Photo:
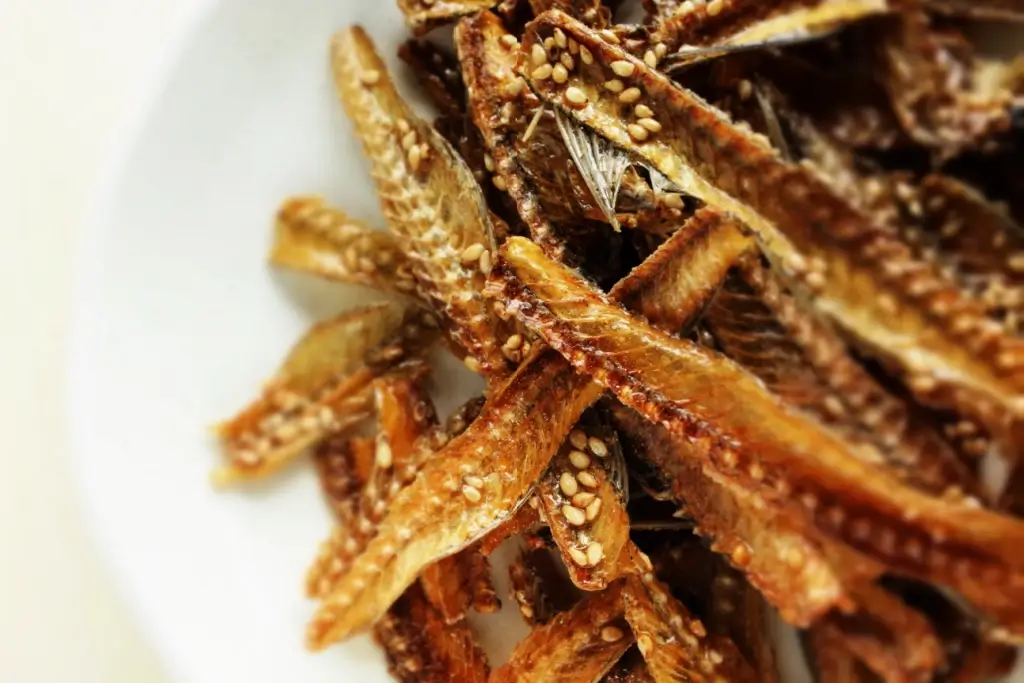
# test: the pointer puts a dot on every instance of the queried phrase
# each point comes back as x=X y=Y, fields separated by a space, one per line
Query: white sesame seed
x=472 y=363
x=715 y=7
x=499 y=183
x=594 y=509
x=614 y=85
x=578 y=556
x=472 y=495
x=514 y=87
x=472 y=253
x=650 y=124
x=560 y=39
x=623 y=68
x=415 y=157
x=579 y=460
x=650 y=59
x=383 y=455
x=475 y=482
x=642 y=111
x=583 y=499
x=485 y=263
x=408 y=140
x=574 y=515
x=541 y=72
x=567 y=483
x=585 y=55
x=644 y=643
x=745 y=89
x=559 y=74
x=610 y=36
x=514 y=342
x=595 y=553
x=610 y=634
x=630 y=95
x=509 y=40
x=370 y=77
x=637 y=132
x=538 y=54
x=489 y=163
x=578 y=439
x=597 y=447
x=587 y=479
x=660 y=50
x=549 y=43
x=567 y=61
x=576 y=97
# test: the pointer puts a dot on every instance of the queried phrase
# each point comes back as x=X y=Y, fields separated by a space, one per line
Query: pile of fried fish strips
x=745 y=283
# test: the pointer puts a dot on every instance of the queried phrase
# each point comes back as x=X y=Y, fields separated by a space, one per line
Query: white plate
x=179 y=320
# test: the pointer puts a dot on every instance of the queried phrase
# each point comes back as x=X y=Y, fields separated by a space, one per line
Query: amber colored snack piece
x=343 y=466
x=631 y=668
x=696 y=395
x=1006 y=10
x=423 y=15
x=312 y=237
x=318 y=390
x=429 y=197
x=422 y=648
x=854 y=271
x=584 y=506
x=832 y=661
x=537 y=584
x=578 y=646
x=466 y=489
x=674 y=643
x=460 y=583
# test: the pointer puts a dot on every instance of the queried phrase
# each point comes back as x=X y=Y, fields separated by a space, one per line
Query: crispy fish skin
x=466 y=489
x=950 y=353
x=312 y=237
x=578 y=646
x=423 y=15
x=318 y=390
x=777 y=555
x=584 y=507
x=428 y=195
x=694 y=393
x=422 y=648
x=674 y=643
x=343 y=466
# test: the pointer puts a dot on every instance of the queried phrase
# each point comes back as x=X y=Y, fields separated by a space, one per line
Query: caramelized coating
x=429 y=197
x=312 y=237
x=537 y=585
x=674 y=643
x=694 y=393
x=319 y=389
x=423 y=15
x=422 y=648
x=343 y=465
x=468 y=488
x=630 y=669
x=459 y=583
x=856 y=272
x=578 y=646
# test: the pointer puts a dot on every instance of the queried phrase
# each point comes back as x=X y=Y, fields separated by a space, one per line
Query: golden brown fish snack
x=744 y=283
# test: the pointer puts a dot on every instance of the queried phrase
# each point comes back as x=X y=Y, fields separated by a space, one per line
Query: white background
x=69 y=71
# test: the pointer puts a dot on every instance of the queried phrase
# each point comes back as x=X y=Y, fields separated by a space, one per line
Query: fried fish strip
x=674 y=643
x=343 y=465
x=429 y=197
x=856 y=272
x=745 y=433
x=893 y=640
x=631 y=668
x=578 y=646
x=775 y=553
x=584 y=506
x=423 y=15
x=466 y=489
x=319 y=389
x=460 y=583
x=313 y=237
x=832 y=661
x=696 y=34
x=422 y=648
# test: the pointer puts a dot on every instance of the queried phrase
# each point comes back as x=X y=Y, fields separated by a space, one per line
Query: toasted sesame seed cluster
x=744 y=284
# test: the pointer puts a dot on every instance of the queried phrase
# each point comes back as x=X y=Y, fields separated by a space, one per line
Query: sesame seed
x=472 y=363
x=560 y=39
x=594 y=509
x=533 y=124
x=644 y=643
x=660 y=50
x=538 y=54
x=642 y=111
x=610 y=634
x=715 y=7
x=408 y=140
x=574 y=47
x=597 y=447
x=514 y=87
x=514 y=342
x=485 y=261
x=489 y=162
x=623 y=68
x=745 y=89
x=610 y=36
x=472 y=494
x=559 y=74
x=325 y=416
x=578 y=556
x=574 y=515
x=541 y=72
x=370 y=77
x=575 y=96
x=509 y=40
x=583 y=499
x=585 y=55
x=549 y=43
x=614 y=85
x=567 y=483
x=578 y=439
x=579 y=460
x=567 y=61
x=415 y=157
x=526 y=611
x=472 y=253
x=383 y=455
x=629 y=95
x=402 y=125
x=587 y=479
x=650 y=59
x=499 y=183
x=475 y=482
x=637 y=132
x=595 y=553
x=672 y=201
x=650 y=124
